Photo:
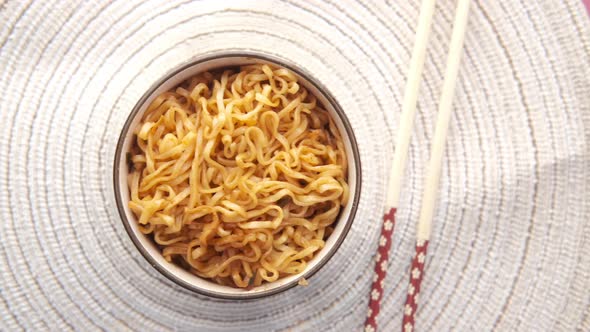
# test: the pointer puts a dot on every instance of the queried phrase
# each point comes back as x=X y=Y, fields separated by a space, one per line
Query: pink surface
x=587 y=4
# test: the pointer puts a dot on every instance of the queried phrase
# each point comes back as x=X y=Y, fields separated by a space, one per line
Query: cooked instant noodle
x=238 y=174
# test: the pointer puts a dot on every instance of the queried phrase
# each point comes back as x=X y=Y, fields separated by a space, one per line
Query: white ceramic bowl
x=146 y=245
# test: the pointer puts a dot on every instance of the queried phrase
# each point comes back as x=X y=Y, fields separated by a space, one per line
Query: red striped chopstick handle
x=381 y=259
x=416 y=275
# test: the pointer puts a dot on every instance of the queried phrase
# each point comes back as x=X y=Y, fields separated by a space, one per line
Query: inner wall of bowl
x=186 y=277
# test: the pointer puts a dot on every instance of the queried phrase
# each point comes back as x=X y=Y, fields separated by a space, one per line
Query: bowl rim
x=236 y=54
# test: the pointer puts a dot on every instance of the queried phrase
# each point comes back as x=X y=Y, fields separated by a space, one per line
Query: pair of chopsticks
x=433 y=170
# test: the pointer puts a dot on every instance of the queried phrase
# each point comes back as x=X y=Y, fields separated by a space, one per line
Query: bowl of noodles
x=237 y=175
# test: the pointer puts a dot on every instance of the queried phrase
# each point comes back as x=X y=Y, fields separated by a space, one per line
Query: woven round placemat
x=512 y=232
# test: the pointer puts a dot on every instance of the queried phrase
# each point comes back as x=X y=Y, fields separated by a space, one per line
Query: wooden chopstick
x=432 y=179
x=399 y=160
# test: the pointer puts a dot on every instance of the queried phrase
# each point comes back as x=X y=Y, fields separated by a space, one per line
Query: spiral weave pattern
x=510 y=242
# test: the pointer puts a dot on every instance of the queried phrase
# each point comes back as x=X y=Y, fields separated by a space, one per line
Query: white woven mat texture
x=510 y=244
